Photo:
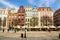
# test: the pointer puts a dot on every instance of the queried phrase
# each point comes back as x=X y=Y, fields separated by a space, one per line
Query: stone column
x=6 y=22
x=39 y=21
x=2 y=21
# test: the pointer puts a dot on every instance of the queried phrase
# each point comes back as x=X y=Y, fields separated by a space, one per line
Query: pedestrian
x=3 y=29
x=21 y=35
x=15 y=30
x=49 y=30
x=8 y=30
x=25 y=33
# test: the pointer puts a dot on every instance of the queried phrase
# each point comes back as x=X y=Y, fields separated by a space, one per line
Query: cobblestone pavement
x=35 y=35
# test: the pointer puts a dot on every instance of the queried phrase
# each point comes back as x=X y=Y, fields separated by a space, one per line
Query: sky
x=54 y=4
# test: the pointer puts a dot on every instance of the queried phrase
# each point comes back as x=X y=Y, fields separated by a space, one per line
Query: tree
x=34 y=21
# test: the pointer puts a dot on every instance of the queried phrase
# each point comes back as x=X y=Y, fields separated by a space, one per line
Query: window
x=19 y=20
x=22 y=19
x=3 y=11
x=22 y=16
x=28 y=19
x=19 y=16
x=59 y=18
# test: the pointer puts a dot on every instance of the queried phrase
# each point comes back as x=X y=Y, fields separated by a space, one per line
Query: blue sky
x=54 y=4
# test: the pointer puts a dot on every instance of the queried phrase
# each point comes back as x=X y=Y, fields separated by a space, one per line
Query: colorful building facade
x=21 y=16
x=12 y=18
x=3 y=17
x=45 y=16
x=40 y=17
x=30 y=13
x=28 y=10
x=57 y=18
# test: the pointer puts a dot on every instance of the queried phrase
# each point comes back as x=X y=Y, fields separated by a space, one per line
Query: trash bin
x=59 y=35
x=21 y=35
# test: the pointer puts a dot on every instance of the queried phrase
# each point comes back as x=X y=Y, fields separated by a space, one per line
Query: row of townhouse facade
x=23 y=17
x=44 y=15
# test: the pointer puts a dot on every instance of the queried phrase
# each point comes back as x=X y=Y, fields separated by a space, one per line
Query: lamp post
x=49 y=28
x=25 y=33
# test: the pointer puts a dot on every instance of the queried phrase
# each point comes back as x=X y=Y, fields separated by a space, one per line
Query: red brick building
x=57 y=18
x=21 y=16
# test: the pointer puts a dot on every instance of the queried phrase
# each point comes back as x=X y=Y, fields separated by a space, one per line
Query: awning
x=58 y=27
x=18 y=26
x=45 y=27
x=52 y=27
x=24 y=26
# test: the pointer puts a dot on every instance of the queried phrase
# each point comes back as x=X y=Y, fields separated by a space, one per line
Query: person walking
x=3 y=29
x=15 y=30
x=8 y=30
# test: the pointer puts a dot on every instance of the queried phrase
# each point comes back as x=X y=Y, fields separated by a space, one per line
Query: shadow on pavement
x=28 y=38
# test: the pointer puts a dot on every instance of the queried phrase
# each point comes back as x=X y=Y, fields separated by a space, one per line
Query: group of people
x=10 y=29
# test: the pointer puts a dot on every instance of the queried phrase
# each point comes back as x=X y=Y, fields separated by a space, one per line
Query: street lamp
x=25 y=33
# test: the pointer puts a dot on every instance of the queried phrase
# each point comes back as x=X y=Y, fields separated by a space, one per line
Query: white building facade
x=35 y=14
x=28 y=10
x=3 y=17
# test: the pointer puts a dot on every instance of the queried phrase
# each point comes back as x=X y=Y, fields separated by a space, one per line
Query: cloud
x=58 y=6
x=46 y=3
x=8 y=4
x=42 y=3
x=32 y=2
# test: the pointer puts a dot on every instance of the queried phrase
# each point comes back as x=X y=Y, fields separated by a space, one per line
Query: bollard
x=21 y=35
x=59 y=35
